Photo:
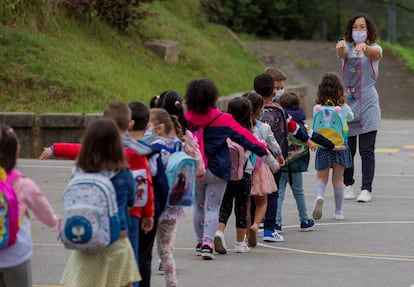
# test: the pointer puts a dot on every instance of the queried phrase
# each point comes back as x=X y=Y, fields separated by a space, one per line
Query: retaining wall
x=38 y=131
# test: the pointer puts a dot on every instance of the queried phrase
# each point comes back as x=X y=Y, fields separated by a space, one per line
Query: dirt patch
x=304 y=62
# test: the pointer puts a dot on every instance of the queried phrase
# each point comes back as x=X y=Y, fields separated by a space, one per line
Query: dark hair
x=120 y=113
x=289 y=100
x=372 y=32
x=201 y=95
x=9 y=147
x=241 y=110
x=139 y=114
x=172 y=102
x=101 y=148
x=330 y=89
x=256 y=101
x=264 y=85
x=276 y=74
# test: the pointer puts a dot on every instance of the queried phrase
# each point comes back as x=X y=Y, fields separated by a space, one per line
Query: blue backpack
x=180 y=174
x=90 y=218
x=328 y=122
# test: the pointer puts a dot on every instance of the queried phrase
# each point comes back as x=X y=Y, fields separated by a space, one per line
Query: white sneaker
x=339 y=215
x=241 y=247
x=317 y=208
x=219 y=243
x=364 y=196
x=349 y=192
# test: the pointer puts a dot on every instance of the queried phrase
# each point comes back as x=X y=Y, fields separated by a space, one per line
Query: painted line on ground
x=392 y=257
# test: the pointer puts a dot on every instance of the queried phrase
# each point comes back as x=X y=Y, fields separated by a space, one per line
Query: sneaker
x=317 y=209
x=241 y=247
x=307 y=225
x=207 y=251
x=198 y=249
x=219 y=243
x=364 y=196
x=339 y=215
x=161 y=269
x=252 y=239
x=349 y=192
x=261 y=225
x=272 y=236
x=278 y=227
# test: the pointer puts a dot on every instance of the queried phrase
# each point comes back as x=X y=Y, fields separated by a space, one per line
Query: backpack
x=90 y=217
x=236 y=152
x=298 y=154
x=9 y=212
x=142 y=180
x=181 y=176
x=328 y=122
x=274 y=115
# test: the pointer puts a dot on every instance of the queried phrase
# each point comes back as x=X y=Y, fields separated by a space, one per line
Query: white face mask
x=359 y=36
x=148 y=132
x=278 y=94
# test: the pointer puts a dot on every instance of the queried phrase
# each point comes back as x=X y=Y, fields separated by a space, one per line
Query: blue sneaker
x=272 y=236
x=307 y=225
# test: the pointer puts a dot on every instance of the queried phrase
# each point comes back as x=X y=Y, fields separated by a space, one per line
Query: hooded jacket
x=215 y=145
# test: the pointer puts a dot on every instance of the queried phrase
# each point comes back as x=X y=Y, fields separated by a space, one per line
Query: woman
x=360 y=59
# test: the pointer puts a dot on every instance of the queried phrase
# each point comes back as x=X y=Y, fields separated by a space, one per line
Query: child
x=201 y=100
x=15 y=260
x=331 y=90
x=238 y=190
x=163 y=125
x=290 y=102
x=172 y=102
x=263 y=182
x=114 y=265
x=264 y=86
x=279 y=79
x=135 y=152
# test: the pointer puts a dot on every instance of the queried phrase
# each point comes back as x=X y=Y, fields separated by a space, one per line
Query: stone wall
x=38 y=131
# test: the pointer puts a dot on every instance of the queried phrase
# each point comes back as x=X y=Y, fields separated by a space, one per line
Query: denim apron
x=359 y=75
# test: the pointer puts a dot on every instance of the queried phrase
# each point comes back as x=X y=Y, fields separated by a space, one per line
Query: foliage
x=78 y=66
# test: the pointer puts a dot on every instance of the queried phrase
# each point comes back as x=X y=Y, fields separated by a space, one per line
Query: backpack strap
x=212 y=121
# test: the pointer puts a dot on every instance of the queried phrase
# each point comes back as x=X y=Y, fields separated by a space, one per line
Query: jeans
x=367 y=152
x=296 y=185
x=133 y=235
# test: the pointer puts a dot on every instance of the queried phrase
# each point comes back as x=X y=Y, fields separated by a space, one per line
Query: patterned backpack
x=90 y=218
x=9 y=212
x=328 y=122
x=275 y=117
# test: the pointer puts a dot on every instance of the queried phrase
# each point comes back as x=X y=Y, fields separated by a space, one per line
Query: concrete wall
x=38 y=131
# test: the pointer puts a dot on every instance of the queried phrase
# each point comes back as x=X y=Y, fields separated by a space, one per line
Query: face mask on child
x=278 y=94
x=359 y=36
x=148 y=132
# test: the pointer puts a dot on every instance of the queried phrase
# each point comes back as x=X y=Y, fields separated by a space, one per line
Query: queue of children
x=139 y=140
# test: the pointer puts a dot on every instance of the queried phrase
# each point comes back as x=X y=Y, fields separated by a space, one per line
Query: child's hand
x=147 y=224
x=281 y=160
x=311 y=145
x=339 y=148
x=47 y=153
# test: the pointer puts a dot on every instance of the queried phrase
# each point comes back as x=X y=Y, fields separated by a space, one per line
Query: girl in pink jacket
x=15 y=267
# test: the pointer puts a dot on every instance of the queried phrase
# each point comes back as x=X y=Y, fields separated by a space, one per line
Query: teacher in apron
x=360 y=56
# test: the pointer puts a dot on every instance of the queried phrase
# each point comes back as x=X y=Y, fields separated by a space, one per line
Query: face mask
x=279 y=93
x=148 y=132
x=359 y=36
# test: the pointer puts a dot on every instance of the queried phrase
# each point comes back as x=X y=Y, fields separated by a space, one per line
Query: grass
x=69 y=66
x=406 y=54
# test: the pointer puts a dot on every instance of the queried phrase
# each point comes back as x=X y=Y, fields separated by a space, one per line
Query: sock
x=320 y=188
x=339 y=196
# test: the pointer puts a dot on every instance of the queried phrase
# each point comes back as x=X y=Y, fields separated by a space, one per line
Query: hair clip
x=177 y=103
x=9 y=131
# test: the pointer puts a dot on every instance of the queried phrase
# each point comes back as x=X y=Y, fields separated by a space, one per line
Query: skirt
x=113 y=266
x=325 y=158
x=263 y=181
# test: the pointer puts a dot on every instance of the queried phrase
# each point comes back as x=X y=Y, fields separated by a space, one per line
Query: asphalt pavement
x=373 y=246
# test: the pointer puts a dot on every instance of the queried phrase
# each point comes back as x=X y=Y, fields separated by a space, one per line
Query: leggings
x=16 y=276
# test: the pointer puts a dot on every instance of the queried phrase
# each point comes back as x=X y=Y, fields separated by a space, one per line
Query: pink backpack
x=9 y=212
x=236 y=152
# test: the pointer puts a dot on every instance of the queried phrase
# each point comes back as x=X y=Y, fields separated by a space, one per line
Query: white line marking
x=350 y=255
